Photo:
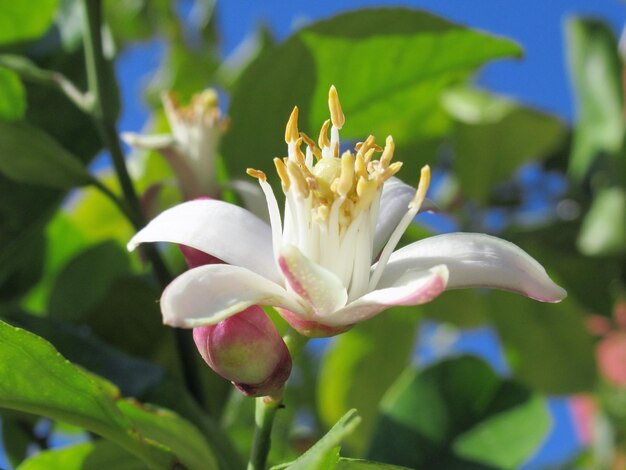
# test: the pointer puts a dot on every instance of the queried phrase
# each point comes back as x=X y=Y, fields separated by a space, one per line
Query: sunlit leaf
x=31 y=156
x=389 y=65
x=12 y=99
x=357 y=464
x=360 y=365
x=21 y=21
x=458 y=414
x=603 y=231
x=596 y=71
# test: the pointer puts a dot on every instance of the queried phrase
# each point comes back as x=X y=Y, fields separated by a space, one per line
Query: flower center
x=331 y=200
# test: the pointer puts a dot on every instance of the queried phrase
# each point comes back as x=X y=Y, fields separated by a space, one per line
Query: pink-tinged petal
x=311 y=328
x=319 y=287
x=415 y=287
x=477 y=260
x=611 y=357
x=394 y=203
x=209 y=294
x=223 y=230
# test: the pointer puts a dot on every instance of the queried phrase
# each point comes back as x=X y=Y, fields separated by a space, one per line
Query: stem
x=266 y=408
x=103 y=112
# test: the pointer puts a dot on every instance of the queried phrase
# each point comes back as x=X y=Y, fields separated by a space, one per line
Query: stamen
x=391 y=170
x=387 y=155
x=361 y=168
x=281 y=169
x=414 y=207
x=368 y=155
x=291 y=131
x=297 y=178
x=323 y=138
x=258 y=174
x=311 y=145
x=336 y=114
x=346 y=179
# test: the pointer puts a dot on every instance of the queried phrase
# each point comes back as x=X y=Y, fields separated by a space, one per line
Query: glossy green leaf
x=35 y=378
x=29 y=155
x=86 y=456
x=86 y=280
x=458 y=414
x=325 y=453
x=390 y=67
x=380 y=348
x=22 y=21
x=596 y=71
x=548 y=346
x=603 y=230
x=495 y=136
x=12 y=98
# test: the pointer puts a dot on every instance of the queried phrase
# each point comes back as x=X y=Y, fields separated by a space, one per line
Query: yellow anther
x=336 y=150
x=363 y=147
x=297 y=178
x=361 y=168
x=291 y=131
x=368 y=155
x=257 y=174
x=300 y=158
x=387 y=155
x=422 y=188
x=281 y=169
x=336 y=114
x=346 y=180
x=391 y=170
x=323 y=211
x=323 y=138
x=311 y=144
x=366 y=190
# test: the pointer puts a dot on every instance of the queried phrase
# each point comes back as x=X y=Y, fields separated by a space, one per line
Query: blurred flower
x=342 y=213
x=191 y=148
x=247 y=350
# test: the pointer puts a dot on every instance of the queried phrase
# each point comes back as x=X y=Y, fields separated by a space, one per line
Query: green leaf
x=35 y=378
x=596 y=71
x=494 y=136
x=603 y=230
x=324 y=453
x=21 y=21
x=358 y=464
x=29 y=155
x=86 y=456
x=390 y=67
x=458 y=414
x=380 y=348
x=16 y=437
x=12 y=97
x=548 y=345
x=86 y=280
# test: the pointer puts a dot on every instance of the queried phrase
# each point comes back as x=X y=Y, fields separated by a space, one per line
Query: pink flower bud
x=247 y=350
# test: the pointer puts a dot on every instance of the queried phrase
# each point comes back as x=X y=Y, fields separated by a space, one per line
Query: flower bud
x=247 y=350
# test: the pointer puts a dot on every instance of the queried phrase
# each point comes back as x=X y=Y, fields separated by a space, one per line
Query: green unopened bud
x=247 y=350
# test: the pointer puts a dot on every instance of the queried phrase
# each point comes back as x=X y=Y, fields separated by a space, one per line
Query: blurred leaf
x=380 y=348
x=389 y=65
x=494 y=136
x=16 y=438
x=357 y=464
x=603 y=230
x=464 y=308
x=458 y=414
x=86 y=456
x=596 y=71
x=325 y=452
x=29 y=155
x=86 y=279
x=35 y=378
x=12 y=98
x=21 y=21
x=548 y=346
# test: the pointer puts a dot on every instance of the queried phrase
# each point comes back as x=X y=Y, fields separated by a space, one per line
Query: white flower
x=191 y=148
x=329 y=262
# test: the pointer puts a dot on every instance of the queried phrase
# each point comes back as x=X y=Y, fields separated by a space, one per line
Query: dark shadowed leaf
x=12 y=99
x=458 y=414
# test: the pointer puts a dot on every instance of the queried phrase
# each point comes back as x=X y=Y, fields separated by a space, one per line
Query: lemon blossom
x=329 y=262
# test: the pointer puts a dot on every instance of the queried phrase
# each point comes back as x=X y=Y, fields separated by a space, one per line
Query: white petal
x=223 y=230
x=415 y=287
x=477 y=260
x=318 y=286
x=394 y=203
x=209 y=294
x=252 y=197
